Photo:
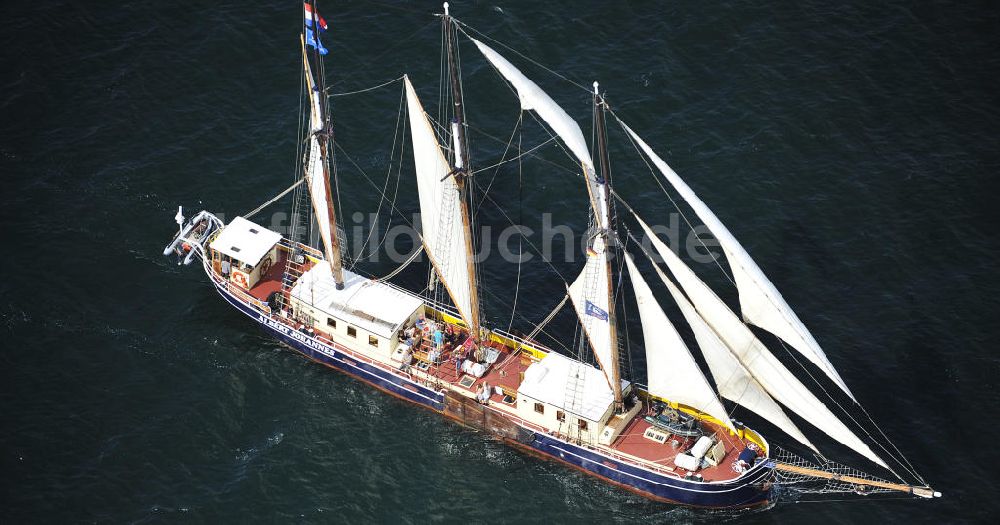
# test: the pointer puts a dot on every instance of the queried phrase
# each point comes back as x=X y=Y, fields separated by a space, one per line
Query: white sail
x=672 y=371
x=315 y=172
x=589 y=293
x=732 y=380
x=443 y=232
x=755 y=357
x=760 y=302
x=533 y=98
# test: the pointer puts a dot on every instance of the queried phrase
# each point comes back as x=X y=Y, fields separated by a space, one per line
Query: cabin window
x=331 y=322
x=540 y=408
x=582 y=424
x=560 y=415
x=351 y=331
x=254 y=230
x=372 y=340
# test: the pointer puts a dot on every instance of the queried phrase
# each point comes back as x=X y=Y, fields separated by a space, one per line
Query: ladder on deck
x=298 y=232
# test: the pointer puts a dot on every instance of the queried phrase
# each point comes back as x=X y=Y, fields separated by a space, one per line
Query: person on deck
x=484 y=393
x=404 y=365
x=438 y=339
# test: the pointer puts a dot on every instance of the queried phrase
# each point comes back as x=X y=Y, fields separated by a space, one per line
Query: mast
x=461 y=171
x=324 y=138
x=604 y=178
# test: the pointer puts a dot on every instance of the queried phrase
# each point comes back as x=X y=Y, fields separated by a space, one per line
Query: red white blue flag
x=310 y=16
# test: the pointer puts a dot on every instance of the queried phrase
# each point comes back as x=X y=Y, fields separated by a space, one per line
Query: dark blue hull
x=751 y=489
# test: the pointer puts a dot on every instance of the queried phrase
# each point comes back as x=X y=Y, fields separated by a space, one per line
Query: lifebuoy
x=265 y=266
x=240 y=279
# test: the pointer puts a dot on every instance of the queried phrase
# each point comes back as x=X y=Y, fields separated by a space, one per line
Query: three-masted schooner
x=673 y=440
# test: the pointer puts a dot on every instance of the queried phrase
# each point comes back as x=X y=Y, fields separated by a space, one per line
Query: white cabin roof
x=245 y=241
x=548 y=380
x=370 y=305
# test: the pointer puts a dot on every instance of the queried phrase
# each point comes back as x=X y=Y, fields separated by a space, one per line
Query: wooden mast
x=605 y=178
x=461 y=173
x=324 y=137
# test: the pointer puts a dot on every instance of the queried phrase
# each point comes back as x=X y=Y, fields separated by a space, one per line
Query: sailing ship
x=675 y=439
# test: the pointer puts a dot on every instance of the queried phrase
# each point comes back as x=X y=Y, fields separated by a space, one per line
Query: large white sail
x=732 y=380
x=315 y=171
x=760 y=302
x=533 y=98
x=671 y=369
x=589 y=293
x=443 y=232
x=776 y=379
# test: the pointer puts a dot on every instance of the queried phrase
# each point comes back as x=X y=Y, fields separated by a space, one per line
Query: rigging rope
x=512 y=159
x=518 y=53
x=517 y=126
x=386 y=83
x=256 y=210
x=403 y=266
x=529 y=321
x=842 y=409
x=548 y=318
x=372 y=183
x=388 y=175
x=531 y=244
x=898 y=456
x=520 y=219
x=669 y=196
x=804 y=483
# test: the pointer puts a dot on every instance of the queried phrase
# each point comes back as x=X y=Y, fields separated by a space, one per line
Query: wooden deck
x=632 y=442
x=507 y=372
x=270 y=282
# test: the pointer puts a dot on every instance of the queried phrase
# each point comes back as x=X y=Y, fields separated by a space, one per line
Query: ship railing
x=240 y=293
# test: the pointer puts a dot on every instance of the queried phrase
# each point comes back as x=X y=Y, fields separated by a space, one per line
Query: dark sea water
x=852 y=147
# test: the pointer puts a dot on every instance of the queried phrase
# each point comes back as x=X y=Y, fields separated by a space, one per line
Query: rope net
x=806 y=484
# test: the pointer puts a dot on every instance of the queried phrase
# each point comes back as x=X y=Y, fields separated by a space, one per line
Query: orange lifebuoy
x=240 y=279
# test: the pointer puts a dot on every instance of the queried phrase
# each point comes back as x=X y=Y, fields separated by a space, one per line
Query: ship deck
x=507 y=371
x=632 y=442
x=270 y=282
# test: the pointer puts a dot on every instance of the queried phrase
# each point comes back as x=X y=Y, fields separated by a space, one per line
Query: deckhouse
x=245 y=251
x=567 y=396
x=365 y=313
